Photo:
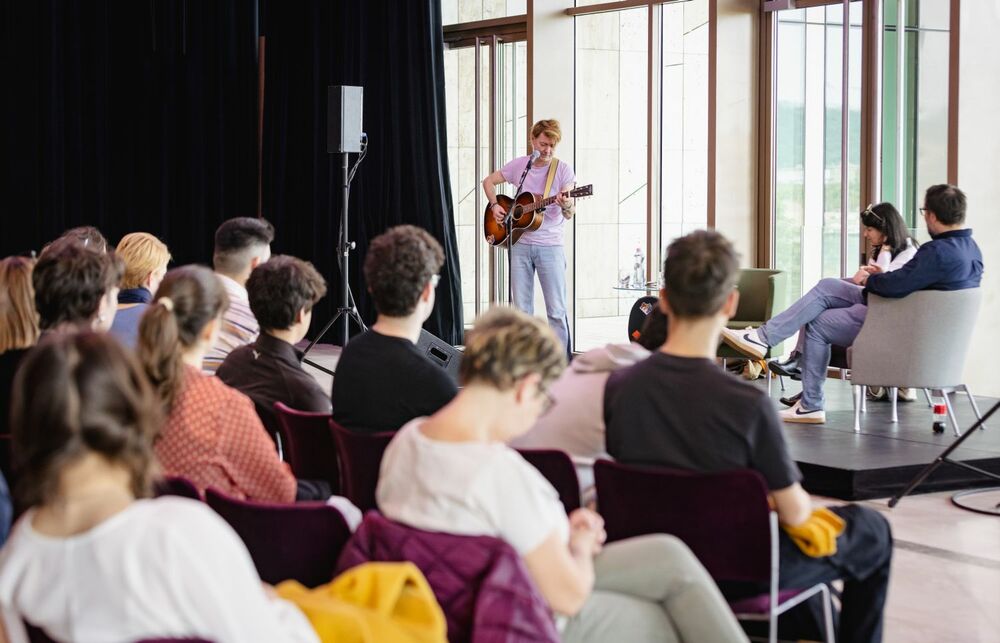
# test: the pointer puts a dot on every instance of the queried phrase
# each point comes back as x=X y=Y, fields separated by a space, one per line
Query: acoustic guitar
x=526 y=213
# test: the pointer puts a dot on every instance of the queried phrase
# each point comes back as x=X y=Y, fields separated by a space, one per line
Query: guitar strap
x=553 y=166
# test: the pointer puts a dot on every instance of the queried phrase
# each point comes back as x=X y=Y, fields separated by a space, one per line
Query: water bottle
x=940 y=412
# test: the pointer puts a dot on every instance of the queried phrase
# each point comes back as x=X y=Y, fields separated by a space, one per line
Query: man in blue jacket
x=951 y=260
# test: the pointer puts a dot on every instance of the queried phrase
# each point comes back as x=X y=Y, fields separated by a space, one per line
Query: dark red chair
x=724 y=518
x=298 y=541
x=176 y=486
x=360 y=459
x=308 y=445
x=558 y=469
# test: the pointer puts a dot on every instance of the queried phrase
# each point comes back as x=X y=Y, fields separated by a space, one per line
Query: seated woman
x=94 y=559
x=212 y=434
x=18 y=325
x=452 y=472
x=835 y=308
x=146 y=259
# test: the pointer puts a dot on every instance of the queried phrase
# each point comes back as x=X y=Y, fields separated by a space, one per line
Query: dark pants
x=862 y=561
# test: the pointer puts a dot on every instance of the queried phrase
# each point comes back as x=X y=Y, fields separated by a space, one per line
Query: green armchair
x=763 y=294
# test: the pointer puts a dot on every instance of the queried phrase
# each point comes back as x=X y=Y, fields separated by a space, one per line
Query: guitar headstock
x=585 y=190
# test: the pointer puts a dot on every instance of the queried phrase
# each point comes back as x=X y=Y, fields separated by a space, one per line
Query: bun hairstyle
x=76 y=394
x=188 y=299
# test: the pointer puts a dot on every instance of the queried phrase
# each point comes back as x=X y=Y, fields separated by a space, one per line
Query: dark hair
x=505 y=344
x=70 y=280
x=188 y=298
x=282 y=287
x=947 y=203
x=398 y=266
x=88 y=236
x=654 y=330
x=885 y=218
x=699 y=272
x=75 y=394
x=235 y=241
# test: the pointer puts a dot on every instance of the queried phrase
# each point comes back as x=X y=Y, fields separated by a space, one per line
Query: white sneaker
x=746 y=341
x=798 y=415
x=906 y=395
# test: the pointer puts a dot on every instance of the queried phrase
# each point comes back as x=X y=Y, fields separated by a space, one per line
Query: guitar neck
x=544 y=203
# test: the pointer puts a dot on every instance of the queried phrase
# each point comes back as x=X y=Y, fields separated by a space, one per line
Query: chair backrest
x=723 y=517
x=920 y=341
x=176 y=486
x=360 y=459
x=308 y=445
x=300 y=541
x=558 y=469
x=762 y=294
x=480 y=582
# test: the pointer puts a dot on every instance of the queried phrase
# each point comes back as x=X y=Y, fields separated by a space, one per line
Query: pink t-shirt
x=551 y=232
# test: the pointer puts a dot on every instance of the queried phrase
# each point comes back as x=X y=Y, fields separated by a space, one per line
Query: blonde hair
x=549 y=127
x=505 y=345
x=18 y=317
x=143 y=254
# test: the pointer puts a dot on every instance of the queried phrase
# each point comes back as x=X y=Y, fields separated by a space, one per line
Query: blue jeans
x=832 y=313
x=550 y=264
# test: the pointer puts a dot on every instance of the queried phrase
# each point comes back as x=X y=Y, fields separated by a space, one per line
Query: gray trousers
x=652 y=588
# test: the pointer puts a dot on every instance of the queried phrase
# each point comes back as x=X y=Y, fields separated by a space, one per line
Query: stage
x=879 y=461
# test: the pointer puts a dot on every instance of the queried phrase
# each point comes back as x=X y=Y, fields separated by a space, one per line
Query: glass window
x=456 y=11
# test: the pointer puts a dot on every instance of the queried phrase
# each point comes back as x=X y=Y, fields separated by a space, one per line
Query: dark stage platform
x=879 y=461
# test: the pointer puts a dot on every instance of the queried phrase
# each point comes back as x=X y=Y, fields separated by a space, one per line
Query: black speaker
x=441 y=353
x=343 y=118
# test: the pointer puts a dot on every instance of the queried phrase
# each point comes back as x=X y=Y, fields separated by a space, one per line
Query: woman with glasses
x=453 y=472
x=832 y=308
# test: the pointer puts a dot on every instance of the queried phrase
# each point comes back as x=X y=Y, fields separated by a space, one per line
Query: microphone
x=534 y=155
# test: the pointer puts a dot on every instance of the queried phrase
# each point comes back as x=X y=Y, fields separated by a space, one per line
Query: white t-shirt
x=468 y=488
x=888 y=263
x=166 y=567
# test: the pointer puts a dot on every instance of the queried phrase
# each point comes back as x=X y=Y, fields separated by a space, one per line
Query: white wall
x=979 y=175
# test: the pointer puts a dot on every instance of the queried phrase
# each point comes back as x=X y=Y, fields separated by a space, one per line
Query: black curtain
x=128 y=116
x=395 y=51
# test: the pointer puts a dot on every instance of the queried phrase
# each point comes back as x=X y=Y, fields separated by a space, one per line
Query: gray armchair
x=920 y=341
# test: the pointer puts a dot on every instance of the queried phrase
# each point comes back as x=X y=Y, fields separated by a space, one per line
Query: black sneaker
x=791 y=400
x=787 y=368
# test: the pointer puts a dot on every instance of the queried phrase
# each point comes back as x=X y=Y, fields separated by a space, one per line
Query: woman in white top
x=452 y=472
x=95 y=560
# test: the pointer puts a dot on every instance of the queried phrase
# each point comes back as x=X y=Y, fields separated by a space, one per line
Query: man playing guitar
x=540 y=250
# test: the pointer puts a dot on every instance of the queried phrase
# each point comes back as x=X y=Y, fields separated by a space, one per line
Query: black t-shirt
x=687 y=413
x=9 y=362
x=383 y=382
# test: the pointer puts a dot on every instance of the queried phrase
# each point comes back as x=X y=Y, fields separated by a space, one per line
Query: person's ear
x=664 y=304
x=206 y=333
x=526 y=387
x=254 y=262
x=731 y=304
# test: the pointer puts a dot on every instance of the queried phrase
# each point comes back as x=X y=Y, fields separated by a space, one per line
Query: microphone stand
x=509 y=225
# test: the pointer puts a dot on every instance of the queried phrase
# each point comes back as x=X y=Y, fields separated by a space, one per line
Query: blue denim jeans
x=550 y=264
x=831 y=313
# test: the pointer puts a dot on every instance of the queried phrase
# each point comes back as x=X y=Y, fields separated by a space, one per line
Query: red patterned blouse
x=214 y=438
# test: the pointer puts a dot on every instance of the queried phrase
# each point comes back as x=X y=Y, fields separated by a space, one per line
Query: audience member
x=453 y=473
x=212 y=434
x=76 y=287
x=382 y=380
x=680 y=410
x=94 y=559
x=88 y=236
x=241 y=244
x=146 y=259
x=282 y=294
x=833 y=311
x=18 y=325
x=575 y=423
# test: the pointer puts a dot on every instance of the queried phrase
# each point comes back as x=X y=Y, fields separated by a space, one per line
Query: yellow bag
x=817 y=537
x=373 y=602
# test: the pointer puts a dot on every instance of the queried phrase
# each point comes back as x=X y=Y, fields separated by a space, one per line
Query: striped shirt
x=239 y=326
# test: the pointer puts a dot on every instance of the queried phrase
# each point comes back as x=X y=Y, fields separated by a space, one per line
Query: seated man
x=282 y=294
x=241 y=244
x=146 y=259
x=382 y=380
x=834 y=311
x=678 y=409
x=575 y=423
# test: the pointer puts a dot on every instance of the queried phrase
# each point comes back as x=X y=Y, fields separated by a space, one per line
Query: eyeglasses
x=870 y=212
x=923 y=211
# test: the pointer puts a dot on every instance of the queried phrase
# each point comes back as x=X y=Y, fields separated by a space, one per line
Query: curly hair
x=505 y=345
x=282 y=287
x=399 y=264
x=70 y=280
x=699 y=272
x=75 y=394
x=18 y=318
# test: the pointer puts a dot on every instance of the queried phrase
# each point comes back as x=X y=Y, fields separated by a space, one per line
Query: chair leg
x=894 y=394
x=769 y=382
x=864 y=399
x=927 y=396
x=772 y=629
x=951 y=414
x=859 y=395
x=828 y=631
x=781 y=381
x=975 y=407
